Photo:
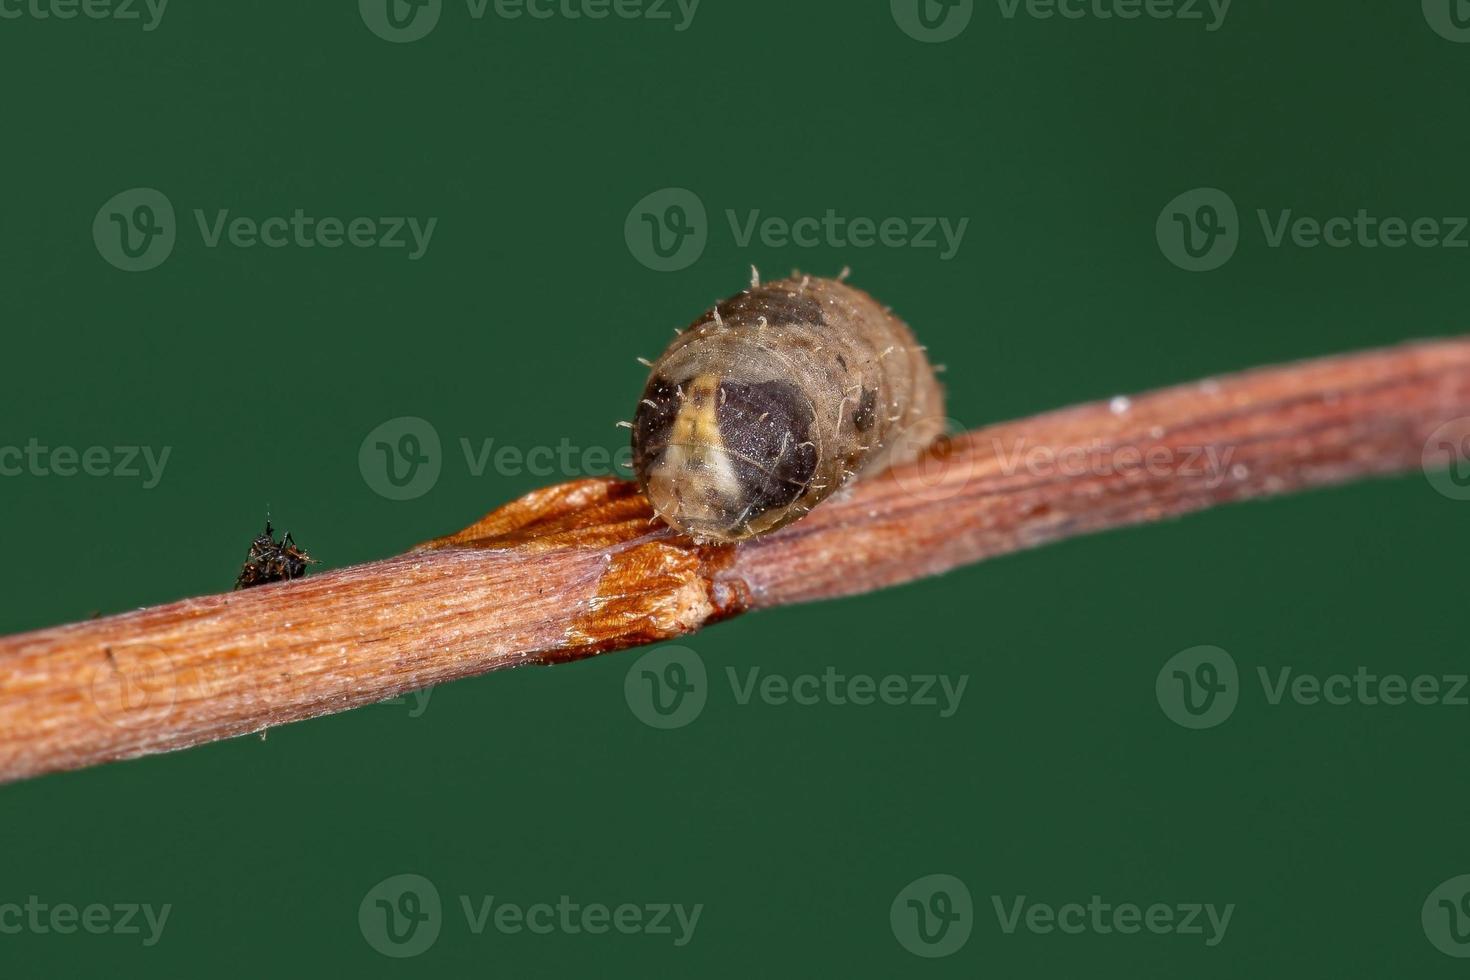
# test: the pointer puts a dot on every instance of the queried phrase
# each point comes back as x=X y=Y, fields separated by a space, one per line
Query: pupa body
x=775 y=399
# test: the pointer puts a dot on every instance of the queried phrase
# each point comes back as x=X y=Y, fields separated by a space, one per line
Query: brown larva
x=774 y=400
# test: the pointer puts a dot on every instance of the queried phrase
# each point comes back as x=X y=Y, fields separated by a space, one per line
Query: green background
x=1058 y=778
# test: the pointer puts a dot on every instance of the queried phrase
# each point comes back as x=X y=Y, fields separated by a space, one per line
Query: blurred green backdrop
x=796 y=828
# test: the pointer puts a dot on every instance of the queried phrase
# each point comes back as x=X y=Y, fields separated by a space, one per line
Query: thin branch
x=580 y=568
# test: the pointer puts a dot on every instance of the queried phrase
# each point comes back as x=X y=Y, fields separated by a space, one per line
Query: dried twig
x=577 y=569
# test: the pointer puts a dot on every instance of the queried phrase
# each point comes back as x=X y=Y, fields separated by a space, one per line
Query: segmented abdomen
x=776 y=399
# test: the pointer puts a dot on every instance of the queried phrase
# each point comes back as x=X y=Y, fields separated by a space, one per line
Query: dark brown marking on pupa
x=776 y=399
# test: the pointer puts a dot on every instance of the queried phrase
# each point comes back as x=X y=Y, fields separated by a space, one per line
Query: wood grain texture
x=573 y=570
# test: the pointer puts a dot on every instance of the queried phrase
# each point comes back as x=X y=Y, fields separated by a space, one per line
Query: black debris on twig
x=272 y=561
